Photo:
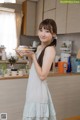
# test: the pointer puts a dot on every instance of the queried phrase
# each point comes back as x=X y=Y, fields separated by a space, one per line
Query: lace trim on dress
x=27 y=118
x=38 y=111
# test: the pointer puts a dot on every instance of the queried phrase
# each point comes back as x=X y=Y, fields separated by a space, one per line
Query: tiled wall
x=75 y=37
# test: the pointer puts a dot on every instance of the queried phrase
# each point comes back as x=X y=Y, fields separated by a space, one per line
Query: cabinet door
x=24 y=18
x=39 y=14
x=65 y=93
x=50 y=14
x=49 y=4
x=61 y=14
x=31 y=13
x=73 y=18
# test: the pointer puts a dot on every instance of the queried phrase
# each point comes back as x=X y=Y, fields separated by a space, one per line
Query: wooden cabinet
x=24 y=18
x=29 y=13
x=65 y=92
x=12 y=97
x=50 y=14
x=67 y=16
x=58 y=12
x=61 y=17
x=39 y=13
x=31 y=20
x=73 y=18
x=49 y=9
x=49 y=5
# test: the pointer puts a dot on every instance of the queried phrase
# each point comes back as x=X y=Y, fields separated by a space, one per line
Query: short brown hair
x=49 y=24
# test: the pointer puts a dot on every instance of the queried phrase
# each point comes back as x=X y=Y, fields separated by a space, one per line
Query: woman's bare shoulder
x=50 y=49
x=50 y=52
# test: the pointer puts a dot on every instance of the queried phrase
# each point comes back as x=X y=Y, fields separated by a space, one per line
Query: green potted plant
x=12 y=60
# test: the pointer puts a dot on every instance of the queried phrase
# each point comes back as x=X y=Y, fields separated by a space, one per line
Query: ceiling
x=33 y=0
x=20 y=1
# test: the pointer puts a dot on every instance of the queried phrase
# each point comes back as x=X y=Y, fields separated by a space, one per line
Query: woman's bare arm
x=48 y=58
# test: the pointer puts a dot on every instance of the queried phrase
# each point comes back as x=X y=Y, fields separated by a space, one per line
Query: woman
x=38 y=104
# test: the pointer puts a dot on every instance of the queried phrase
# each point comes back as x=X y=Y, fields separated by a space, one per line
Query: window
x=9 y=1
x=8 y=32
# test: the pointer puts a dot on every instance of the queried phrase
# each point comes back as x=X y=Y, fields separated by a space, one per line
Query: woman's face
x=45 y=35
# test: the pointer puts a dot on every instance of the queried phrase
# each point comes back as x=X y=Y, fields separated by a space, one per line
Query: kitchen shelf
x=18 y=62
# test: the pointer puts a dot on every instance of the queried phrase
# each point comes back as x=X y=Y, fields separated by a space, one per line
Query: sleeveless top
x=40 y=58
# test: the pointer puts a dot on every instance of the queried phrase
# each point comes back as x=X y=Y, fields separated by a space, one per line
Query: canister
x=62 y=67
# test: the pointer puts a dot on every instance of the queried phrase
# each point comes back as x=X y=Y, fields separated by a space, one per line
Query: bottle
x=34 y=44
x=69 y=65
x=78 y=65
x=78 y=69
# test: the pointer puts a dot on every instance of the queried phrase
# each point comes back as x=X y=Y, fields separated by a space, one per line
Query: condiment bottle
x=69 y=65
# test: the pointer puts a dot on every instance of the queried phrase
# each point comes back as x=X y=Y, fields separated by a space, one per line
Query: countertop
x=18 y=62
x=51 y=74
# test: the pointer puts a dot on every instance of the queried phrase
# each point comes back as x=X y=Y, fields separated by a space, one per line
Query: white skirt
x=39 y=111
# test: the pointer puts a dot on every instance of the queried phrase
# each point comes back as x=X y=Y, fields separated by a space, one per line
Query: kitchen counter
x=18 y=62
x=13 y=77
x=64 y=89
x=51 y=74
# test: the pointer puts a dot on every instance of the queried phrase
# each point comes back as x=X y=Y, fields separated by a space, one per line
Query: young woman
x=38 y=103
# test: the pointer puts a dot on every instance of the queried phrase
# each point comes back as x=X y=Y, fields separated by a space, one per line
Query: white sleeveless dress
x=38 y=104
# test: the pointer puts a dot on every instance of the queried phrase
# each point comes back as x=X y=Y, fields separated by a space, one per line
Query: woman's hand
x=28 y=53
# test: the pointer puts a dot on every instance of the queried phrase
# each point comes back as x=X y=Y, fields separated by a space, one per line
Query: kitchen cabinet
x=58 y=12
x=49 y=9
x=12 y=97
x=39 y=13
x=45 y=9
x=49 y=5
x=29 y=13
x=67 y=16
x=24 y=18
x=61 y=17
x=73 y=18
x=31 y=20
x=65 y=92
x=50 y=14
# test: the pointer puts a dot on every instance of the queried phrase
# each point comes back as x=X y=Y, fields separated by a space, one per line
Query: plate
x=26 y=48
